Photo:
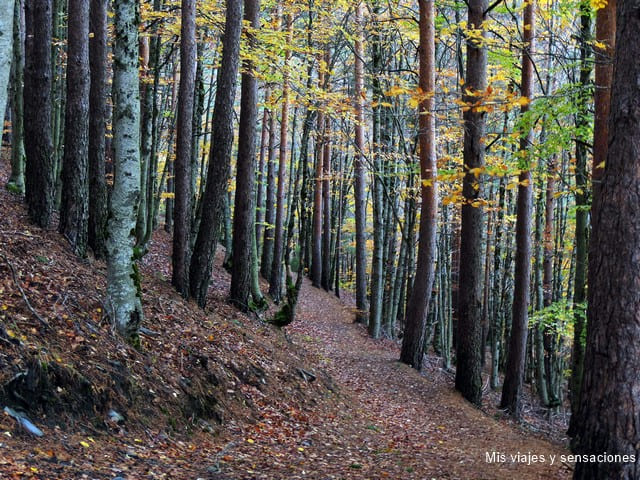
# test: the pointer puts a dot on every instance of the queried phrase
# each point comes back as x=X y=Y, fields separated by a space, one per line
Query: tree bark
x=359 y=176
x=123 y=304
x=40 y=166
x=219 y=156
x=97 y=228
x=275 y=282
x=184 y=149
x=469 y=345
x=413 y=342
x=609 y=402
x=6 y=52
x=74 y=208
x=512 y=388
x=244 y=209
x=16 y=180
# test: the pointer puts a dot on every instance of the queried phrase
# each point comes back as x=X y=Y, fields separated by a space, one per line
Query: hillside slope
x=217 y=394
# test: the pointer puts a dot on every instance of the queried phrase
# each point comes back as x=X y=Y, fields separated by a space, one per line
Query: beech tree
x=123 y=305
x=6 y=52
x=608 y=400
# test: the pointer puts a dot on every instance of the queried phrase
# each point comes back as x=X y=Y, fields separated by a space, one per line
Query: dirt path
x=404 y=425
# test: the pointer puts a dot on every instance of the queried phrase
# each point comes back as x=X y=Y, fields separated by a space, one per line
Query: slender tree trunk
x=270 y=207
x=184 y=149
x=40 y=166
x=359 y=176
x=219 y=157
x=325 y=279
x=316 y=248
x=74 y=211
x=264 y=141
x=123 y=303
x=275 y=282
x=582 y=213
x=244 y=209
x=609 y=401
x=413 y=341
x=6 y=52
x=469 y=338
x=512 y=388
x=16 y=180
x=97 y=227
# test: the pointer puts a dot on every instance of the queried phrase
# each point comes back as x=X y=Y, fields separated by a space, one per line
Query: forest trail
x=403 y=424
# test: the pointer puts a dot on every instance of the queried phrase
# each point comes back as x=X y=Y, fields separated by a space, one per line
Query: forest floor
x=218 y=394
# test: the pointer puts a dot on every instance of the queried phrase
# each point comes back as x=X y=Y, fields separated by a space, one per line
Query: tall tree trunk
x=97 y=227
x=6 y=52
x=244 y=209
x=609 y=402
x=275 y=281
x=605 y=35
x=184 y=149
x=123 y=303
x=74 y=208
x=260 y=183
x=219 y=156
x=512 y=388
x=582 y=211
x=413 y=342
x=270 y=201
x=469 y=338
x=325 y=279
x=16 y=180
x=359 y=176
x=40 y=167
x=316 y=233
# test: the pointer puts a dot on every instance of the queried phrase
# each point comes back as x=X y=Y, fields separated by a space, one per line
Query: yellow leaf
x=522 y=101
x=300 y=449
x=251 y=440
x=84 y=444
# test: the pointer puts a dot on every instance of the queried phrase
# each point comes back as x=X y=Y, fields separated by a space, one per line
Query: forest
x=310 y=239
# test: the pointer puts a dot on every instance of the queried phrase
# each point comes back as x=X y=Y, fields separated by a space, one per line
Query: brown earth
x=219 y=394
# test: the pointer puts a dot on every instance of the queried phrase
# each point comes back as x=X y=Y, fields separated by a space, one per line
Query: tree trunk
x=16 y=180
x=6 y=52
x=123 y=303
x=582 y=212
x=359 y=176
x=413 y=342
x=275 y=282
x=316 y=248
x=40 y=166
x=97 y=228
x=270 y=207
x=609 y=402
x=74 y=208
x=325 y=279
x=219 y=157
x=512 y=387
x=244 y=209
x=184 y=149
x=469 y=338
